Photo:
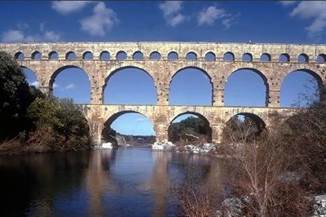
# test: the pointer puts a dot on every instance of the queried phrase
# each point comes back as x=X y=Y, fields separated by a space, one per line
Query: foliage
x=191 y=129
x=61 y=122
x=304 y=134
x=15 y=97
x=259 y=172
x=31 y=121
x=240 y=127
x=279 y=170
x=195 y=202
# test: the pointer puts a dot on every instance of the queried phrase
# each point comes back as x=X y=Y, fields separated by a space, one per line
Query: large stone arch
x=201 y=67
x=33 y=70
x=318 y=75
x=256 y=70
x=138 y=66
x=40 y=73
x=113 y=116
x=203 y=70
x=129 y=64
x=258 y=112
x=231 y=128
x=198 y=114
x=255 y=117
x=53 y=75
x=313 y=71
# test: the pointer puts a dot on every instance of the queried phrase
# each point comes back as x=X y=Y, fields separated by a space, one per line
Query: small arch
x=191 y=56
x=210 y=56
x=36 y=55
x=247 y=57
x=303 y=58
x=53 y=55
x=87 y=55
x=228 y=57
x=321 y=59
x=142 y=128
x=284 y=58
x=243 y=126
x=71 y=56
x=155 y=56
x=138 y=56
x=203 y=128
x=265 y=57
x=173 y=56
x=121 y=55
x=105 y=56
x=19 y=56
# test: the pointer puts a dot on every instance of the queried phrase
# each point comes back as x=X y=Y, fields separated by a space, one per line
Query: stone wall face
x=162 y=71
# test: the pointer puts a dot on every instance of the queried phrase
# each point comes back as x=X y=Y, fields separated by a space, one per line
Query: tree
x=259 y=172
x=15 y=97
x=304 y=134
x=191 y=129
x=61 y=123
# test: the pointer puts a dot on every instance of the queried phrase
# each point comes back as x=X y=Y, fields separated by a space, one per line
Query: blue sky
x=236 y=21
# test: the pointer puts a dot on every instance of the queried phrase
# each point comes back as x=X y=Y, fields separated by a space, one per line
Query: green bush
x=15 y=97
x=62 y=122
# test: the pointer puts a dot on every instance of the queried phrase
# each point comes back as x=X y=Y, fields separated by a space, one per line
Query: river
x=125 y=182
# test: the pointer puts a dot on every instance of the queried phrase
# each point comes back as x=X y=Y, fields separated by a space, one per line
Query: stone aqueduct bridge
x=54 y=59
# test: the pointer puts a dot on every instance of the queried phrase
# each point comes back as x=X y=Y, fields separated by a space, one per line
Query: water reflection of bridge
x=100 y=182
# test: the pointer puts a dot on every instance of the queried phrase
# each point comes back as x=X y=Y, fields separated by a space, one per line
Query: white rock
x=196 y=149
x=157 y=146
x=165 y=145
x=107 y=145
x=320 y=206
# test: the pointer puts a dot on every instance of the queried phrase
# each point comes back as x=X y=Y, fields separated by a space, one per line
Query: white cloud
x=170 y=7
x=13 y=36
x=67 y=7
x=315 y=10
x=70 y=86
x=20 y=35
x=55 y=85
x=211 y=14
x=287 y=3
x=171 y=12
x=100 y=22
x=227 y=22
x=51 y=36
x=177 y=19
x=35 y=84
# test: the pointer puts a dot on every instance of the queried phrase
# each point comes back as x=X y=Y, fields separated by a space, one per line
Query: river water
x=126 y=182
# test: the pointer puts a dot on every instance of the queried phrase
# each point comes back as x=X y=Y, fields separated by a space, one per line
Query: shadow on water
x=102 y=183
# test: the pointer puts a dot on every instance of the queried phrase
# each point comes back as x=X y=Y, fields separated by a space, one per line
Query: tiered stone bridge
x=162 y=60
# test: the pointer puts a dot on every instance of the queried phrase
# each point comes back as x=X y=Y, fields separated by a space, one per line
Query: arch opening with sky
x=73 y=83
x=246 y=87
x=191 y=86
x=300 y=88
x=128 y=128
x=129 y=85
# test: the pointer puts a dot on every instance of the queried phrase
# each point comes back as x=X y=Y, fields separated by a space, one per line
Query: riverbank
x=17 y=147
